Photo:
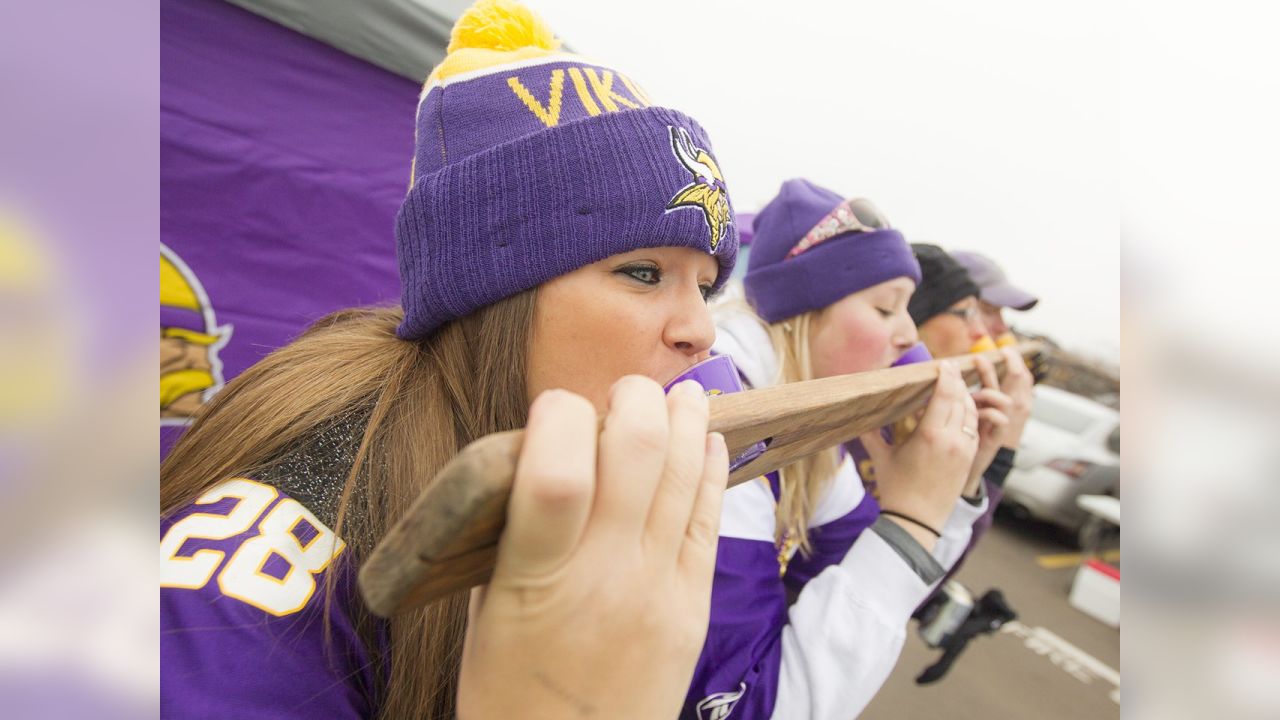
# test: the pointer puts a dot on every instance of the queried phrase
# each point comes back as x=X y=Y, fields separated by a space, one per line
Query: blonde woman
x=829 y=284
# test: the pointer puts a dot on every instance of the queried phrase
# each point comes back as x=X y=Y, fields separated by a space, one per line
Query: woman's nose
x=906 y=334
x=691 y=329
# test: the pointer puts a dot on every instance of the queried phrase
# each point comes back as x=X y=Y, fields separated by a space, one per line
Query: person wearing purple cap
x=559 y=240
x=995 y=293
x=829 y=281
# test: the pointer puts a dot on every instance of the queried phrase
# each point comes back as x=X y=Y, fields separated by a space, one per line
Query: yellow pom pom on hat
x=494 y=32
x=530 y=162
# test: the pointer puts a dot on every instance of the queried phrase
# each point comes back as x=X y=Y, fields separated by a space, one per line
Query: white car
x=1071 y=447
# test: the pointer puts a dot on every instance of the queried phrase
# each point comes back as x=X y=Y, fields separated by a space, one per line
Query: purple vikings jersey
x=243 y=572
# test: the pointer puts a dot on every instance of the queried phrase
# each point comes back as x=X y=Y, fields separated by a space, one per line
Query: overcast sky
x=979 y=128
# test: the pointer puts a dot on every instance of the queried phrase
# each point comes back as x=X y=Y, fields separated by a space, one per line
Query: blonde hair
x=803 y=481
x=412 y=407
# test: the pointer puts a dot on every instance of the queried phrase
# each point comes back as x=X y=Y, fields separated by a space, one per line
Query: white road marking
x=1071 y=659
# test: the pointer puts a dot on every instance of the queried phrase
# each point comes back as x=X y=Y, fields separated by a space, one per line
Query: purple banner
x=282 y=164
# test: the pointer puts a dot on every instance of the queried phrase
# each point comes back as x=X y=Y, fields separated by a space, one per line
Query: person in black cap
x=945 y=305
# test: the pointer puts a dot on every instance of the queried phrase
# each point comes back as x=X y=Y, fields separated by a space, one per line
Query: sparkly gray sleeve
x=314 y=471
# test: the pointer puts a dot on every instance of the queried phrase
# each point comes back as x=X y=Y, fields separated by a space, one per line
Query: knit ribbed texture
x=516 y=215
x=531 y=162
x=780 y=287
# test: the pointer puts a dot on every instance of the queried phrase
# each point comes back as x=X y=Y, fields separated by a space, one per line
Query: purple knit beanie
x=804 y=256
x=531 y=162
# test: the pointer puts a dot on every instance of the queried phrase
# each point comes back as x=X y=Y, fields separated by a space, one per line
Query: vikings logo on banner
x=190 y=338
x=707 y=191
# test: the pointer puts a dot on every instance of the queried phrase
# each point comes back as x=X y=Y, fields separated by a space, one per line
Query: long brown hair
x=413 y=405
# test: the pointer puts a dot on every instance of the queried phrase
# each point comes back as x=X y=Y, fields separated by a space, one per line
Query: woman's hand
x=922 y=477
x=601 y=594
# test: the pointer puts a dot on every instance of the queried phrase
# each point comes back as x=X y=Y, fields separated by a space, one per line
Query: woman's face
x=864 y=331
x=953 y=331
x=637 y=313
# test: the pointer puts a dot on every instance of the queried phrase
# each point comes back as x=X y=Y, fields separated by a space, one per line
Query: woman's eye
x=646 y=274
x=885 y=313
x=706 y=292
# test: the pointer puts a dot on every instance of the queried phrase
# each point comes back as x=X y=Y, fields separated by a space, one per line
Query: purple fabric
x=743 y=649
x=993 y=285
x=173 y=317
x=745 y=231
x=780 y=287
x=506 y=219
x=223 y=657
x=461 y=118
x=1009 y=296
x=282 y=164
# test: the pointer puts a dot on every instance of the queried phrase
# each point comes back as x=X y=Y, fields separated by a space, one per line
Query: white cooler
x=1096 y=591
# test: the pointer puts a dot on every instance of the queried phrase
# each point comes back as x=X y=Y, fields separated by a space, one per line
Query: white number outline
x=247 y=562
x=275 y=535
x=194 y=571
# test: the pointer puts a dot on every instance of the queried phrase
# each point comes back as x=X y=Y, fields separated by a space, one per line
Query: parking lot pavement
x=1053 y=662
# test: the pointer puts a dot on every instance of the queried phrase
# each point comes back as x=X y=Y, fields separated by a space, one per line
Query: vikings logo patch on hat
x=707 y=191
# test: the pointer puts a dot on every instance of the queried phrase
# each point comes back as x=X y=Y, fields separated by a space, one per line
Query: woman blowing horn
x=540 y=252
x=830 y=281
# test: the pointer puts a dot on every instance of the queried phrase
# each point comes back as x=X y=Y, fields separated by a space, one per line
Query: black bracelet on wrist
x=911 y=520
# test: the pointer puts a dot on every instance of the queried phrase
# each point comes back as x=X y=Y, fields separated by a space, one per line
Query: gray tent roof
x=406 y=37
